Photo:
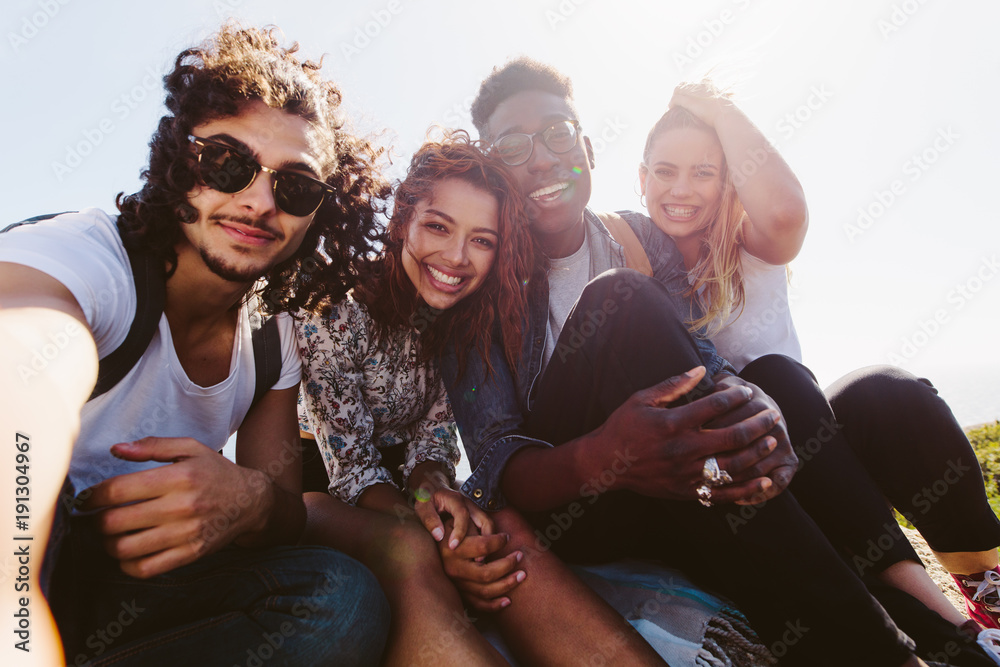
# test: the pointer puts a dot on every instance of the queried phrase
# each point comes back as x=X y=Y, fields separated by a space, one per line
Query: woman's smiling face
x=682 y=180
x=451 y=242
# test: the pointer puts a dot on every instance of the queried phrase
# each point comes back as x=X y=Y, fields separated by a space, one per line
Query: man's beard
x=226 y=271
x=218 y=266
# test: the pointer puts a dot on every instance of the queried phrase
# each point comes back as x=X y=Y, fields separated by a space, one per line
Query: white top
x=84 y=252
x=568 y=276
x=764 y=324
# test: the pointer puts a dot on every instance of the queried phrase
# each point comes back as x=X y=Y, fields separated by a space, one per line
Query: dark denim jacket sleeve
x=668 y=267
x=490 y=420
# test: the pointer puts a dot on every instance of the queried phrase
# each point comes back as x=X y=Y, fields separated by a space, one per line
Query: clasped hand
x=468 y=555
x=735 y=422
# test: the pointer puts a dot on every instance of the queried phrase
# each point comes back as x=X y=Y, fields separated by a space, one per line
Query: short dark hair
x=517 y=75
x=218 y=79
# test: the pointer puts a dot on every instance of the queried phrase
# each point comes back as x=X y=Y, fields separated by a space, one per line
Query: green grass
x=986 y=444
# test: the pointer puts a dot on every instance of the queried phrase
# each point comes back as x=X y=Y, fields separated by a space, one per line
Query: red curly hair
x=499 y=306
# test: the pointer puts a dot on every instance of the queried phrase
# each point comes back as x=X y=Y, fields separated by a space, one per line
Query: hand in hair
x=702 y=99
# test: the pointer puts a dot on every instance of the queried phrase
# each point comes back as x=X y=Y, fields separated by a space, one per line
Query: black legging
x=772 y=560
x=894 y=426
x=907 y=438
x=904 y=440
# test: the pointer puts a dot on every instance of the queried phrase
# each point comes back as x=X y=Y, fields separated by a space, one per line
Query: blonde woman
x=737 y=213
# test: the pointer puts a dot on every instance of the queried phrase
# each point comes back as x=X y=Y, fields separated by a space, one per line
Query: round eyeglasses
x=559 y=137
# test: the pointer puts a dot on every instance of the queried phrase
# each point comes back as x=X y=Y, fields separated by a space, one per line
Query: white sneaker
x=989 y=639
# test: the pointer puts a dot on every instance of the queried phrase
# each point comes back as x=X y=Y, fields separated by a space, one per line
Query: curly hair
x=218 y=79
x=517 y=75
x=499 y=306
x=718 y=275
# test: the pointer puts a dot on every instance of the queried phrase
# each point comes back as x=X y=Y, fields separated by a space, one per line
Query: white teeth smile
x=444 y=277
x=551 y=189
x=681 y=211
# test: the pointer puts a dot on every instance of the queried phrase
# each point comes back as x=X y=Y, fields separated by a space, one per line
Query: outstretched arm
x=770 y=192
x=44 y=390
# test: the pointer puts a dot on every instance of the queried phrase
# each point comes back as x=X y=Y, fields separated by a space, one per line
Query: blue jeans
x=248 y=607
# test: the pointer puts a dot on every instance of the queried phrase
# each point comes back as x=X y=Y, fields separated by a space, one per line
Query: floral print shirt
x=358 y=397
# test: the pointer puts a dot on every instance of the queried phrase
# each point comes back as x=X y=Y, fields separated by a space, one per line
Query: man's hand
x=669 y=446
x=780 y=465
x=160 y=519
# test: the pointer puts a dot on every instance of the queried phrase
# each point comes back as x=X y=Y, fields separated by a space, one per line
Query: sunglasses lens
x=225 y=170
x=298 y=195
x=513 y=149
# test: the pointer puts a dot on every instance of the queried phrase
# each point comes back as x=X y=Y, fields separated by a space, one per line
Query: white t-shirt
x=764 y=325
x=156 y=398
x=568 y=276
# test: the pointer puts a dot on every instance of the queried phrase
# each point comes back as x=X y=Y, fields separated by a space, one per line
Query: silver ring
x=713 y=474
x=705 y=495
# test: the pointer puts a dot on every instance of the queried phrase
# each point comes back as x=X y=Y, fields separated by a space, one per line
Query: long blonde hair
x=718 y=275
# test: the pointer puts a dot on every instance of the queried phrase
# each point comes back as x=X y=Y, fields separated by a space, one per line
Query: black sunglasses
x=229 y=170
x=515 y=149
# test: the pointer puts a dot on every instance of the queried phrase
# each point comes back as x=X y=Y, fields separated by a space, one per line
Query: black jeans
x=772 y=560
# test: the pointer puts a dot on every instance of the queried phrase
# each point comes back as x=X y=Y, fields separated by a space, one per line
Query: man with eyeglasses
x=622 y=435
x=172 y=552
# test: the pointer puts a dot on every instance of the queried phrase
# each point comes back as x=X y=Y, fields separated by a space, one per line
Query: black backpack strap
x=150 y=295
x=37 y=218
x=266 y=350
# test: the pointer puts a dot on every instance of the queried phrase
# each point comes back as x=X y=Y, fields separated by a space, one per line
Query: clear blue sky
x=886 y=106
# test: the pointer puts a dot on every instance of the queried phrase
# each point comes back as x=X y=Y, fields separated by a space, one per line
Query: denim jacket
x=491 y=412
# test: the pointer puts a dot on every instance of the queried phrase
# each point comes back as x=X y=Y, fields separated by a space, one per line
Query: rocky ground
x=934 y=569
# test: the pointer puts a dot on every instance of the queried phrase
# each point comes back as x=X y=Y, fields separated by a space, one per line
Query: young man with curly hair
x=162 y=549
